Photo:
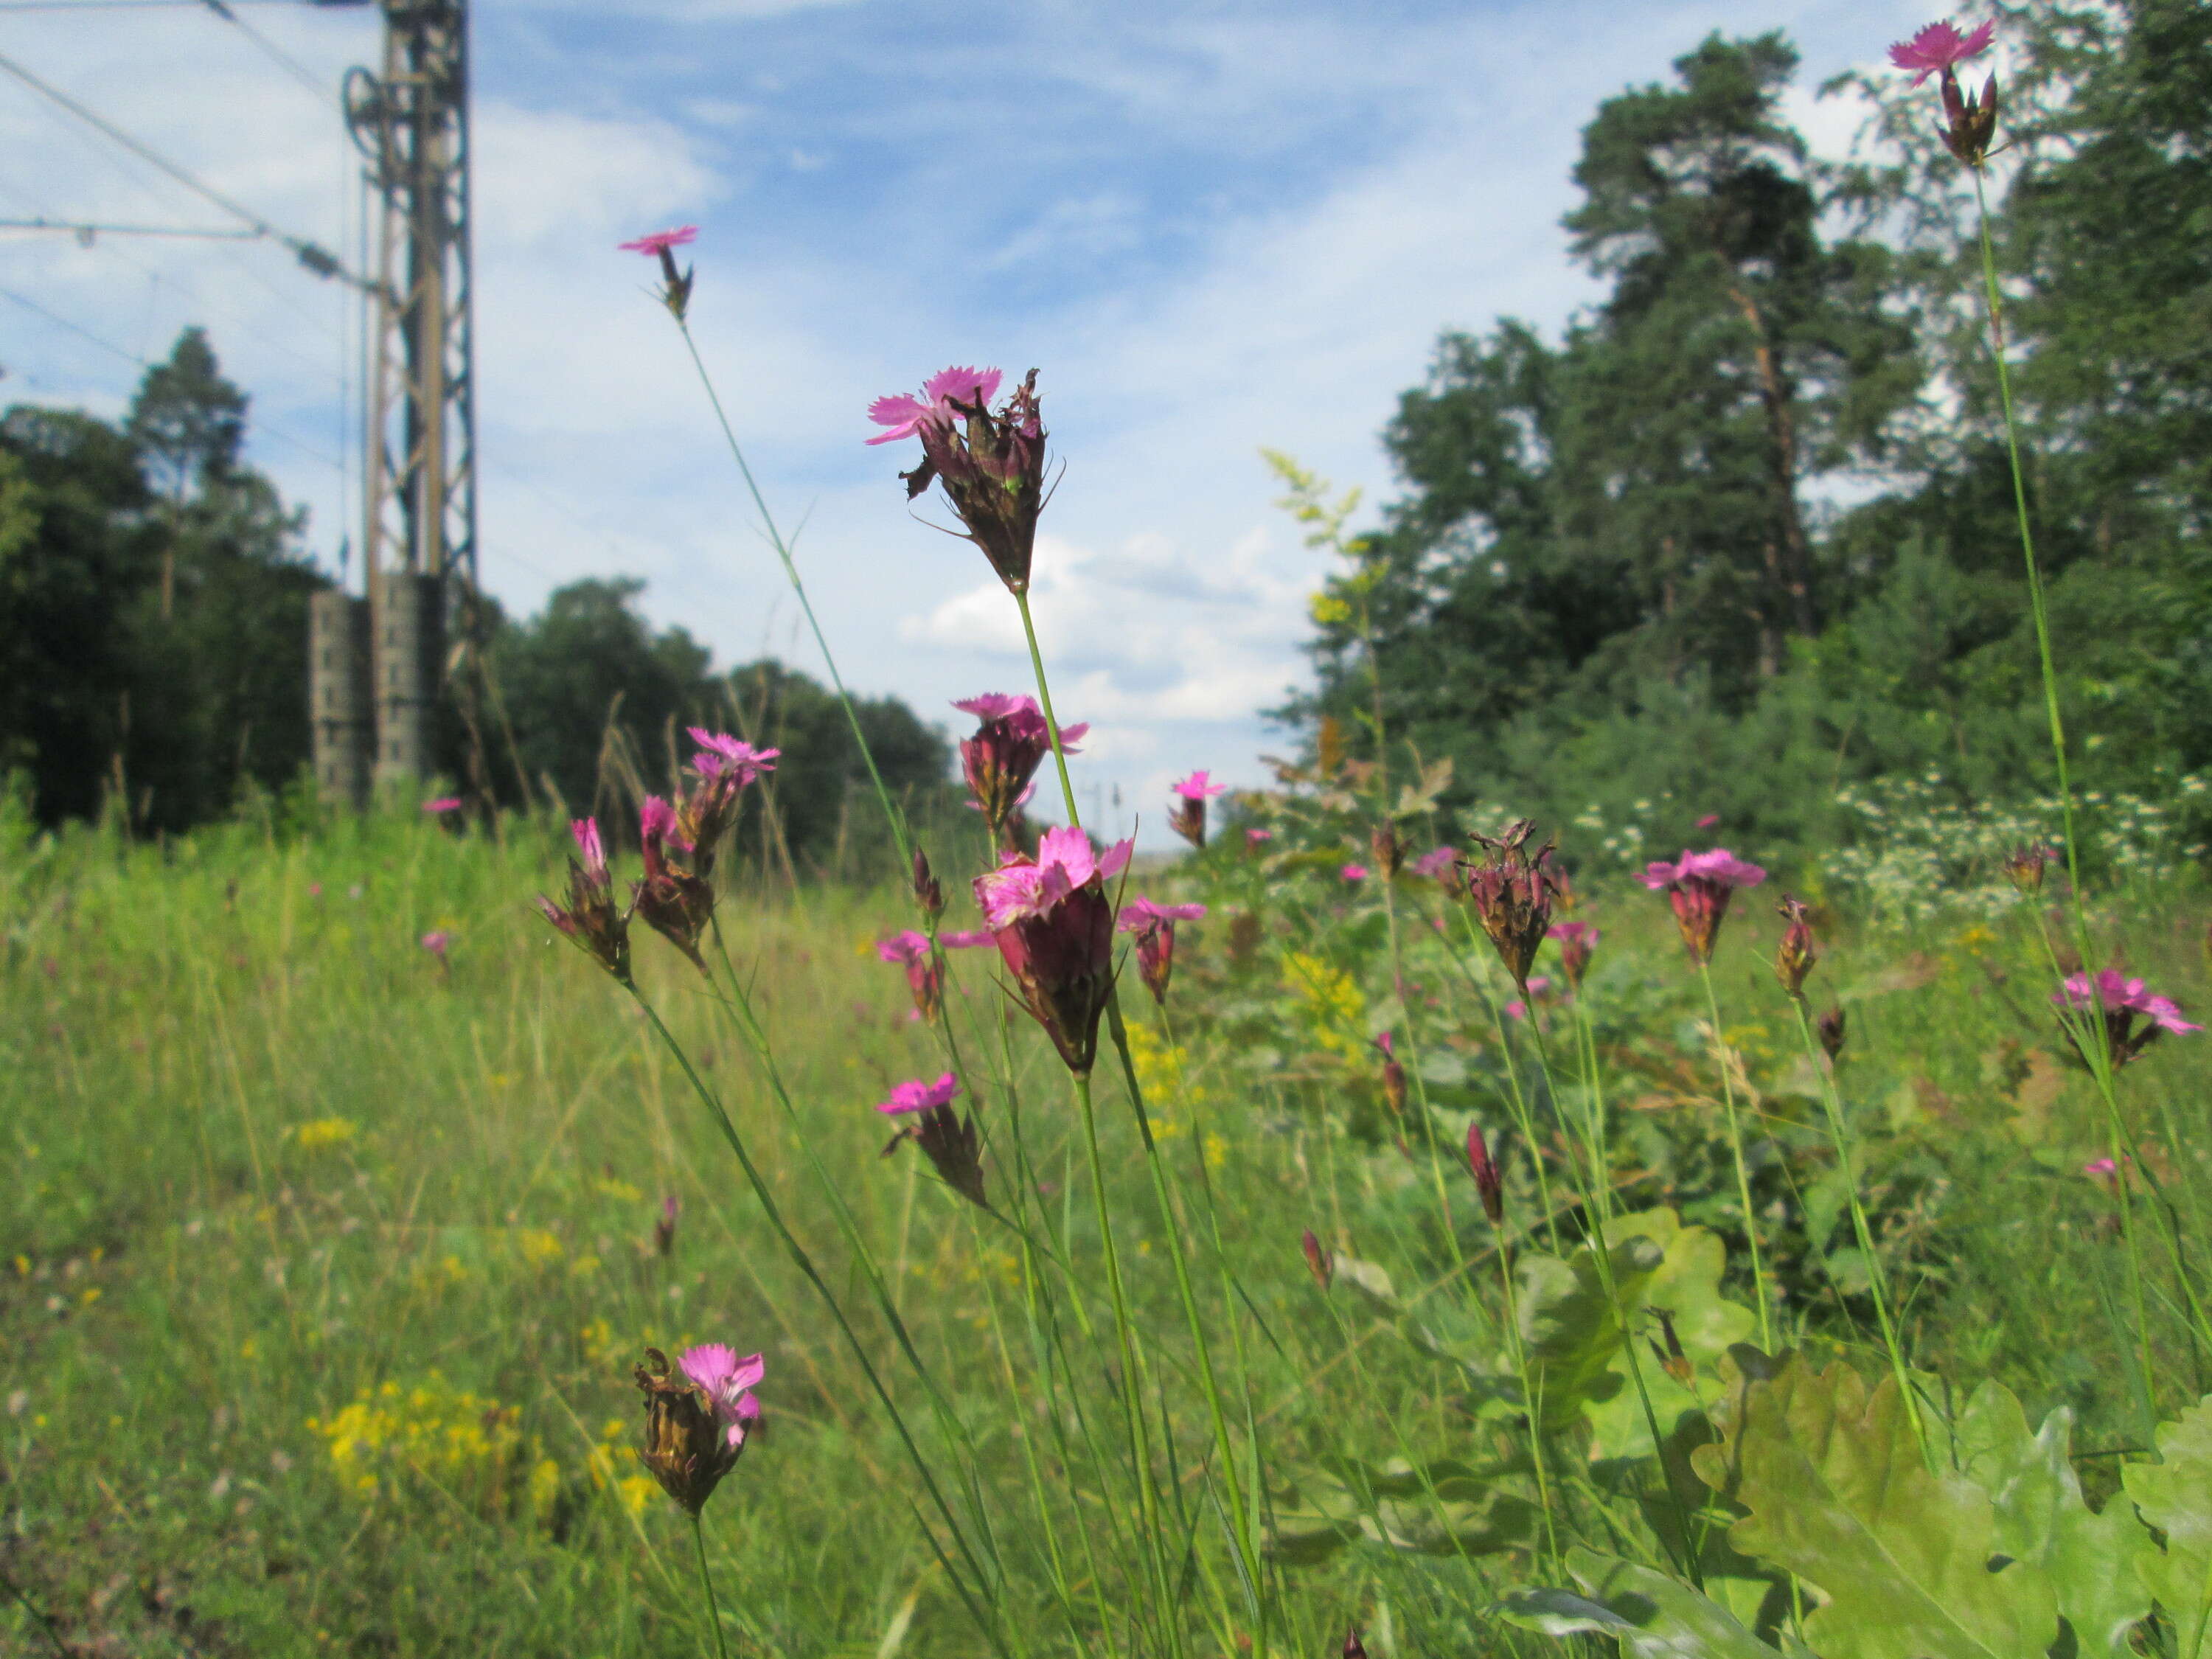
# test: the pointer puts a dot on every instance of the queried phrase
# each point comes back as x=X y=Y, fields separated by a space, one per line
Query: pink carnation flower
x=1017 y=891
x=905 y=948
x=593 y=850
x=720 y=753
x=716 y=1371
x=1140 y=913
x=442 y=803
x=1258 y=837
x=2100 y=1166
x=1199 y=786
x=1354 y=872
x=2120 y=1002
x=1437 y=866
x=1699 y=885
x=660 y=241
x=917 y=1096
x=436 y=942
x=903 y=414
x=1941 y=47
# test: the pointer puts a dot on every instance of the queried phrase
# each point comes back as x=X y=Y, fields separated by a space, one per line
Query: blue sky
x=1211 y=227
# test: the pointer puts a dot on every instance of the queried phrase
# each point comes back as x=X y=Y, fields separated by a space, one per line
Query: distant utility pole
x=410 y=122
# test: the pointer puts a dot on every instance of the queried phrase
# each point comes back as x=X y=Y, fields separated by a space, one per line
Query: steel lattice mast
x=410 y=121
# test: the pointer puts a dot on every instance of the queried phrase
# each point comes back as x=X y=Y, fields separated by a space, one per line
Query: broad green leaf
x=2042 y=1519
x=1649 y=1614
x=2175 y=1495
x=1569 y=1329
x=1837 y=1494
x=1686 y=1284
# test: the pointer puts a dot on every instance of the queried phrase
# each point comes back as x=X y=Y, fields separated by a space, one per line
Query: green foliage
x=1838 y=1493
x=1620 y=568
x=1649 y=1614
x=2175 y=1495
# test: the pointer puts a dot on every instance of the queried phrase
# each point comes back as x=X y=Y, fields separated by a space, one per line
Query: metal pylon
x=410 y=121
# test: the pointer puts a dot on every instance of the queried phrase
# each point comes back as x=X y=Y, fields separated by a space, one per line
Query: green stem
x=1831 y=1104
x=805 y=605
x=1735 y=1152
x=2092 y=1049
x=706 y=1583
x=804 y=1261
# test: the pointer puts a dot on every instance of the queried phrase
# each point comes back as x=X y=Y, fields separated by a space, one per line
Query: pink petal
x=969 y=385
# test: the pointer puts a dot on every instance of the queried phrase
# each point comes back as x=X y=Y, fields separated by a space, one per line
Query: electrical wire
x=86 y=232
x=284 y=60
x=131 y=356
x=316 y=259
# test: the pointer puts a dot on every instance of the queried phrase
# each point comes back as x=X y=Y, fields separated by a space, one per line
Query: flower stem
x=706 y=1583
x=1831 y=1105
x=798 y=587
x=1735 y=1152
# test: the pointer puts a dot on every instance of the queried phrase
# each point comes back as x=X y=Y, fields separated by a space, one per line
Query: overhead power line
x=131 y=356
x=283 y=59
x=86 y=232
x=320 y=261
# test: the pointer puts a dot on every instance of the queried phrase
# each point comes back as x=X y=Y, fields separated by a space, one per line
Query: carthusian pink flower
x=925 y=972
x=1699 y=885
x=676 y=285
x=1436 y=864
x=1255 y=839
x=697 y=1420
x=589 y=921
x=1353 y=873
x=724 y=765
x=901 y=417
x=1187 y=813
x=992 y=463
x=1154 y=926
x=1939 y=49
x=1053 y=924
x=676 y=903
x=442 y=805
x=1000 y=761
x=948 y=1140
x=2100 y=1166
x=1577 y=941
x=1540 y=990
x=436 y=942
x=2118 y=1003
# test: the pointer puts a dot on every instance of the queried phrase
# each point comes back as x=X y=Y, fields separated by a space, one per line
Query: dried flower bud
x=2024 y=866
x=1319 y=1263
x=1829 y=1027
x=663 y=1225
x=1668 y=1347
x=1393 y=1075
x=1511 y=891
x=928 y=895
x=1794 y=959
x=1488 y=1184
x=1389 y=847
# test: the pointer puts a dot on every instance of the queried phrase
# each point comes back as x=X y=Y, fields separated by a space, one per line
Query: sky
x=1211 y=227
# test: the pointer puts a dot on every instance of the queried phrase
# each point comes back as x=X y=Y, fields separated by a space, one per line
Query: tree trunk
x=1794 y=575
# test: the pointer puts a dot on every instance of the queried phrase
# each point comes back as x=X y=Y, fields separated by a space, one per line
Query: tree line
x=153 y=596
x=1746 y=530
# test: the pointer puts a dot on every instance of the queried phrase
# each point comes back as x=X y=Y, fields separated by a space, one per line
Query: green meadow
x=328 y=1257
